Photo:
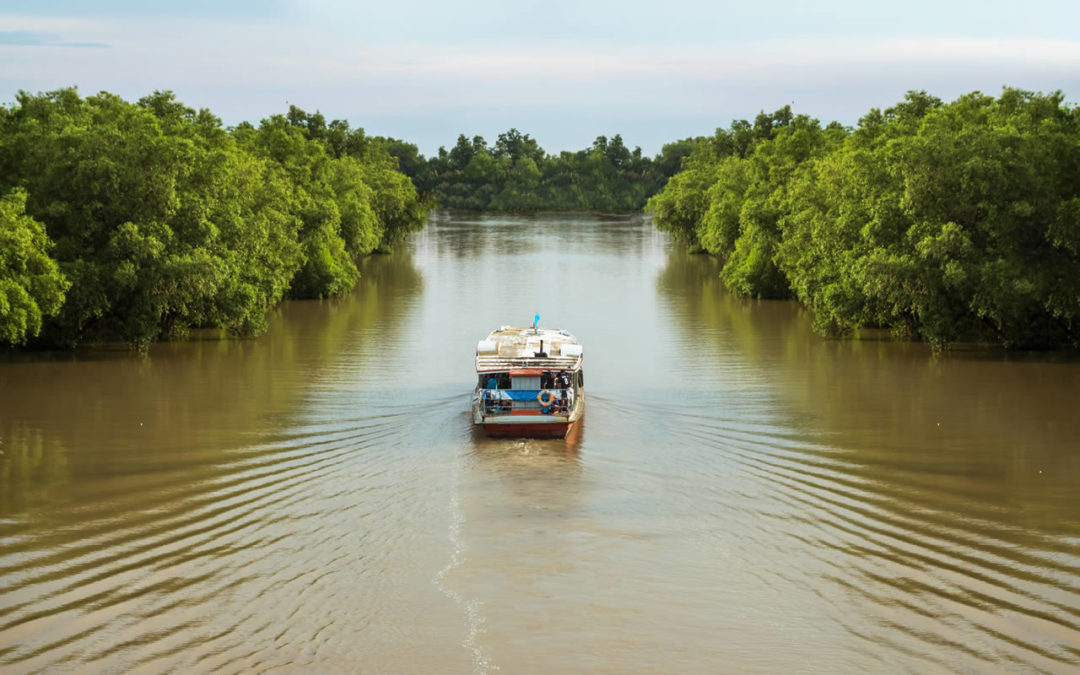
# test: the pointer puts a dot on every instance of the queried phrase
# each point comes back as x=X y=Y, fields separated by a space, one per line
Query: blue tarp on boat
x=519 y=394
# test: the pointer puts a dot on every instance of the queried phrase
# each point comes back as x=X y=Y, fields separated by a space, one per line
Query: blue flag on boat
x=536 y=321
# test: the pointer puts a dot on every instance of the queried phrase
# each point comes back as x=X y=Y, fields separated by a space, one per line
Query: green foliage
x=376 y=177
x=681 y=207
x=31 y=284
x=395 y=203
x=163 y=220
x=308 y=169
x=701 y=205
x=943 y=222
x=409 y=160
x=672 y=155
x=516 y=174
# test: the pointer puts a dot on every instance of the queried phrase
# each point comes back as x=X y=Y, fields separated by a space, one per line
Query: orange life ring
x=545 y=398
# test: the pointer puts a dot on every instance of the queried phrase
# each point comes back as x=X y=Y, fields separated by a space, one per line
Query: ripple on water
x=871 y=536
x=277 y=524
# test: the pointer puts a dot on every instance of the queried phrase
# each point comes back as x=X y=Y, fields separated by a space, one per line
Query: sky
x=564 y=72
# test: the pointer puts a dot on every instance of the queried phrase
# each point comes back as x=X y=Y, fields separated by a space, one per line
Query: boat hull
x=528 y=430
x=530 y=424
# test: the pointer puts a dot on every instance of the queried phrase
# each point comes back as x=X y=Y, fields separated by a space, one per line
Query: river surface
x=743 y=496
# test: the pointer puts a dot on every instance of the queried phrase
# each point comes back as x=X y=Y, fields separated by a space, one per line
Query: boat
x=529 y=382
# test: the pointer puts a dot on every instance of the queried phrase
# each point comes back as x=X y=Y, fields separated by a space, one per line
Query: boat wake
x=474 y=618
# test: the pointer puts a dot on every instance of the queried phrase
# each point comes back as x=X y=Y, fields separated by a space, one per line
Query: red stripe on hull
x=528 y=430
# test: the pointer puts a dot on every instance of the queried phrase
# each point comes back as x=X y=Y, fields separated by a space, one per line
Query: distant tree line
x=942 y=221
x=137 y=221
x=517 y=174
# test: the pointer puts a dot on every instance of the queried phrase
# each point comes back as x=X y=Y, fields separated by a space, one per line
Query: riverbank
x=140 y=221
x=943 y=222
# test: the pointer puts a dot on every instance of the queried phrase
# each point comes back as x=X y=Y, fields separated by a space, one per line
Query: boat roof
x=516 y=347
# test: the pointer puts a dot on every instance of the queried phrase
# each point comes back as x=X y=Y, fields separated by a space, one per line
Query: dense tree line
x=942 y=221
x=517 y=174
x=136 y=221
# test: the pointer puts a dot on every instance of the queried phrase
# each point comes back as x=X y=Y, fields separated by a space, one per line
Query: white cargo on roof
x=517 y=347
x=571 y=350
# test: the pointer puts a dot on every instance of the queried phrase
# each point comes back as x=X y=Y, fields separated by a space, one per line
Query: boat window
x=580 y=379
x=493 y=381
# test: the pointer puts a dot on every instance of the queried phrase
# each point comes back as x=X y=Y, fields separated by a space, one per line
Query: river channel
x=743 y=496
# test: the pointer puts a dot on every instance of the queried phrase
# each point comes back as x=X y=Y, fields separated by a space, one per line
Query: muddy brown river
x=743 y=496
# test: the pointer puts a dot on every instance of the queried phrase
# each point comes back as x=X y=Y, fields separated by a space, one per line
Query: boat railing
x=511 y=401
